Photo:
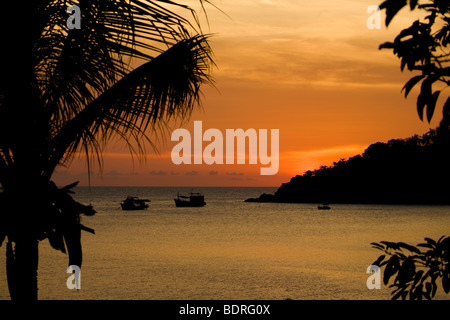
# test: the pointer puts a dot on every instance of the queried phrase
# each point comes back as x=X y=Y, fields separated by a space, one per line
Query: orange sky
x=311 y=69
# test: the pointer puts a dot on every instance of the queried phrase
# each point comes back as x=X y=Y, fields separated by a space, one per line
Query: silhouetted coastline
x=402 y=171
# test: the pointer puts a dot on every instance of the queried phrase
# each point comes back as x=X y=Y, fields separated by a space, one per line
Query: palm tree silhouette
x=131 y=67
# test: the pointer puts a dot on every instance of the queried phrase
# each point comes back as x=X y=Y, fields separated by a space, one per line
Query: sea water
x=229 y=249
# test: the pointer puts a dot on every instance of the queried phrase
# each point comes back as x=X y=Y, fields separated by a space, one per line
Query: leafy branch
x=416 y=271
x=423 y=47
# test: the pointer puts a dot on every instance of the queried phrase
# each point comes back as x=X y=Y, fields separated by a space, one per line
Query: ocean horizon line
x=86 y=186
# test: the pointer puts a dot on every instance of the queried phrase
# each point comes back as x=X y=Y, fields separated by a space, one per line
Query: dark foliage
x=402 y=171
x=423 y=48
x=131 y=68
x=416 y=270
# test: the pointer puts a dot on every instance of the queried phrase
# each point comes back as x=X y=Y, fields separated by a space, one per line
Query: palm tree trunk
x=21 y=268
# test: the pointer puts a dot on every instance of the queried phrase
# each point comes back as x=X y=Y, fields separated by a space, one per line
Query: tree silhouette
x=422 y=47
x=130 y=68
x=383 y=173
x=416 y=272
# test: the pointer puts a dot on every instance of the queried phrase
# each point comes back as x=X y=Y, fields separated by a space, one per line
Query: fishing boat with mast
x=194 y=199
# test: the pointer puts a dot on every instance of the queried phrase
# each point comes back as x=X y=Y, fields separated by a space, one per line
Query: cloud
x=321 y=43
x=347 y=150
x=192 y=173
x=113 y=173
x=173 y=173
x=213 y=173
x=235 y=173
x=65 y=174
x=158 y=173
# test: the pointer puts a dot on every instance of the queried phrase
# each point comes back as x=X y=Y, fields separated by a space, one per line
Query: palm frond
x=81 y=74
x=164 y=88
x=76 y=66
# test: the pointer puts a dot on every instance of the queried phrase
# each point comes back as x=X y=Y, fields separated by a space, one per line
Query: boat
x=324 y=207
x=134 y=203
x=192 y=200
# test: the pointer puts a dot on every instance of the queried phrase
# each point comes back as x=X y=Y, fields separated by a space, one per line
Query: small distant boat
x=324 y=207
x=193 y=200
x=134 y=203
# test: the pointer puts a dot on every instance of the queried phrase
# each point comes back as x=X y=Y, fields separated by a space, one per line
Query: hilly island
x=414 y=170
